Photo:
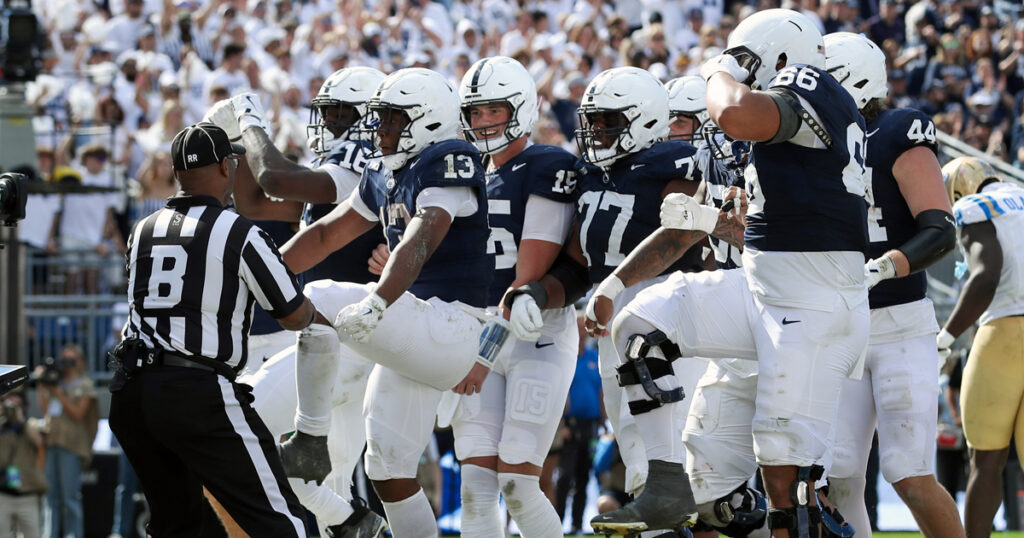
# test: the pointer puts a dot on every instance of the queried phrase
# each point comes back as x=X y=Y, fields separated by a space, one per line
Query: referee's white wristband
x=610 y=287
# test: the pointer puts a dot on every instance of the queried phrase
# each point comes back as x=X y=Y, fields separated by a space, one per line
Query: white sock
x=663 y=440
x=847 y=495
x=325 y=504
x=316 y=370
x=480 y=514
x=532 y=511
x=411 y=517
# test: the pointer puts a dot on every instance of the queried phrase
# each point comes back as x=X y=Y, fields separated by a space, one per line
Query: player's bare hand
x=474 y=380
x=378 y=259
x=599 y=314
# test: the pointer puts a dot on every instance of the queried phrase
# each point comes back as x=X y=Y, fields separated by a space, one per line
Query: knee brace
x=740 y=513
x=649 y=357
x=802 y=519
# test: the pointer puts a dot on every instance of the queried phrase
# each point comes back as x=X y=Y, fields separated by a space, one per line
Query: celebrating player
x=503 y=434
x=421 y=322
x=801 y=309
x=910 y=227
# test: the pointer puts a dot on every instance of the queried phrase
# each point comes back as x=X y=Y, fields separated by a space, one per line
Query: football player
x=626 y=171
x=910 y=226
x=503 y=433
x=288 y=192
x=421 y=322
x=989 y=216
x=800 y=304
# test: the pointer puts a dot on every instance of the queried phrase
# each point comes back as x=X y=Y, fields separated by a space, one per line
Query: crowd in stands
x=122 y=76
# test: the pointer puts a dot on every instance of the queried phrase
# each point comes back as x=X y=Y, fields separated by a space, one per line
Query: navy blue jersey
x=890 y=223
x=349 y=263
x=618 y=208
x=280 y=232
x=811 y=199
x=719 y=175
x=460 y=269
x=546 y=171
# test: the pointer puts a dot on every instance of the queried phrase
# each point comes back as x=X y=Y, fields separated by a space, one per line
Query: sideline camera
x=13 y=196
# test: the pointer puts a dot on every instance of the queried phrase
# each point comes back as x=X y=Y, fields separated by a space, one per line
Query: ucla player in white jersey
x=503 y=433
x=801 y=307
x=910 y=227
x=302 y=194
x=421 y=322
x=989 y=218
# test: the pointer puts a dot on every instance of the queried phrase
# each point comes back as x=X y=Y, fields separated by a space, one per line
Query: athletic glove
x=525 y=320
x=360 y=319
x=222 y=114
x=878 y=269
x=944 y=341
x=610 y=287
x=684 y=213
x=249 y=112
x=724 y=63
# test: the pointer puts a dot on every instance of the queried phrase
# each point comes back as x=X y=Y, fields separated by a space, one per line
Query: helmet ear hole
x=781 y=62
x=433 y=127
x=650 y=124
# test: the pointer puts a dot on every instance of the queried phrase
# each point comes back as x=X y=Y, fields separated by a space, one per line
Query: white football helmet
x=767 y=37
x=499 y=79
x=858 y=65
x=428 y=107
x=624 y=110
x=339 y=106
x=686 y=98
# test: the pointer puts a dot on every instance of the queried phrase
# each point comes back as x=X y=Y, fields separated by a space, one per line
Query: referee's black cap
x=201 y=145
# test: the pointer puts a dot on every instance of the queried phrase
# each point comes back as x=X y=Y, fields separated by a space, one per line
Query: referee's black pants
x=184 y=428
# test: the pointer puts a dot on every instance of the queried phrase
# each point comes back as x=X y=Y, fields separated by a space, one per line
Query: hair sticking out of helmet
x=858 y=65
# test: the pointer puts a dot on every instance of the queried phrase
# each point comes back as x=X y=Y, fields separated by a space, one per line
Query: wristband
x=610 y=287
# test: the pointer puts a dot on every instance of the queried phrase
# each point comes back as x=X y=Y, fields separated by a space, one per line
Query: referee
x=195 y=270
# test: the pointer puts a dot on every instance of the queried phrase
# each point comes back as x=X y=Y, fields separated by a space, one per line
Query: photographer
x=22 y=483
x=69 y=402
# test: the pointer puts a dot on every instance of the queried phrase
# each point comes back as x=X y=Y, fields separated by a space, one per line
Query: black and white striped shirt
x=195 y=270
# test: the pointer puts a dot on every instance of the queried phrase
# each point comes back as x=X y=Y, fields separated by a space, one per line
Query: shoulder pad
x=974 y=208
x=550 y=172
x=666 y=160
x=906 y=128
x=451 y=163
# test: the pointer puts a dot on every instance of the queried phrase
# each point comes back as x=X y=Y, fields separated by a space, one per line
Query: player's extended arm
x=919 y=178
x=986 y=262
x=282 y=178
x=425 y=232
x=314 y=243
x=252 y=202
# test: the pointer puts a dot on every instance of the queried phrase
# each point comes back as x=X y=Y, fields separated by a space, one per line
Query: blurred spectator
x=229 y=74
x=155 y=185
x=887 y=24
x=71 y=420
x=23 y=482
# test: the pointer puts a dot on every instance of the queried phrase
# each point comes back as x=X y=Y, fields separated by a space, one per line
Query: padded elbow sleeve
x=935 y=237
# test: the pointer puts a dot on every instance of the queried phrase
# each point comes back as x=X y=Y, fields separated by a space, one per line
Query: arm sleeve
x=456 y=201
x=791 y=128
x=268 y=278
x=345 y=181
x=547 y=220
x=359 y=206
